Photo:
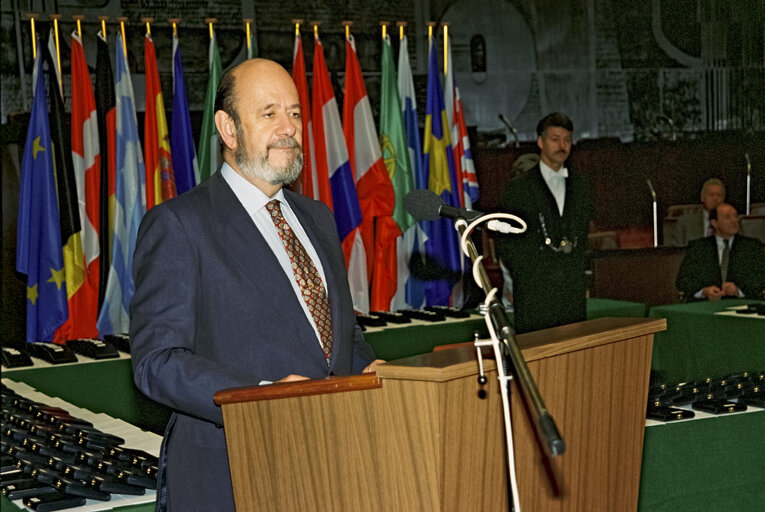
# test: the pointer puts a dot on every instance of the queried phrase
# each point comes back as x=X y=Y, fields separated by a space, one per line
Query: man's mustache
x=286 y=142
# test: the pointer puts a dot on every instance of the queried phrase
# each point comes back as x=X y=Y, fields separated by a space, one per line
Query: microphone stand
x=508 y=355
x=748 y=183
x=655 y=215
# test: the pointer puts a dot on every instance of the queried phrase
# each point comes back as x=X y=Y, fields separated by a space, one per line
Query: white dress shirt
x=556 y=182
x=254 y=201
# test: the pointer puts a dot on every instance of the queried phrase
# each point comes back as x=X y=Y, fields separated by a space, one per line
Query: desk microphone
x=425 y=204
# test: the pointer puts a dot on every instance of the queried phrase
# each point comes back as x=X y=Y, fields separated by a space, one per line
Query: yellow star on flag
x=56 y=276
x=36 y=147
x=32 y=293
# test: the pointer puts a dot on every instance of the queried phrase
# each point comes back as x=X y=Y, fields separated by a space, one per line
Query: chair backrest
x=753 y=225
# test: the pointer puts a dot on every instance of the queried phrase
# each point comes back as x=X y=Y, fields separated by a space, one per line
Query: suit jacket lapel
x=252 y=254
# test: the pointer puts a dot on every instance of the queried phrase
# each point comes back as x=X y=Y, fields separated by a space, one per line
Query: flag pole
x=401 y=25
x=431 y=24
x=148 y=21
x=32 y=17
x=347 y=25
x=210 y=22
x=122 y=21
x=446 y=46
x=174 y=23
x=297 y=26
x=247 y=22
x=55 y=18
x=103 y=19
x=78 y=18
x=384 y=25
x=315 y=25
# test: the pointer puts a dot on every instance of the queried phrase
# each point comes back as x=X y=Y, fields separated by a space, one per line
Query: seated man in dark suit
x=238 y=282
x=723 y=265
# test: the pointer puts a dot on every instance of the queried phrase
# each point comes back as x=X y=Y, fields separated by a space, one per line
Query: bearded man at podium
x=238 y=282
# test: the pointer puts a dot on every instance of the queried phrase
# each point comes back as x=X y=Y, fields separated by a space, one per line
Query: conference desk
x=94 y=385
x=700 y=342
x=706 y=463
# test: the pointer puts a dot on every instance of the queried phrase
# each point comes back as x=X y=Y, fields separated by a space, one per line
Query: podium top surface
x=460 y=362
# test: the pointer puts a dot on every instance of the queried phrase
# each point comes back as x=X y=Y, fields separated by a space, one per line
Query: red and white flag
x=375 y=190
x=87 y=168
x=308 y=183
x=332 y=161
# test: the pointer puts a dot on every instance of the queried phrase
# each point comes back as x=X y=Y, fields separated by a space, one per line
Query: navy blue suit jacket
x=213 y=309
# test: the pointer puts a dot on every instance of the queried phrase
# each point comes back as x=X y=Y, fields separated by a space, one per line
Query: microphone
x=426 y=205
x=506 y=122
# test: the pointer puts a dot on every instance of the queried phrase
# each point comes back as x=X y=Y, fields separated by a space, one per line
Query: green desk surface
x=94 y=386
x=710 y=465
x=699 y=344
x=396 y=342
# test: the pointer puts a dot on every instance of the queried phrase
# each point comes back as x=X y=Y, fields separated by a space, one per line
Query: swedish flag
x=441 y=248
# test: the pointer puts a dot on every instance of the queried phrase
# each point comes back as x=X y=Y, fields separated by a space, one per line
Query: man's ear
x=226 y=129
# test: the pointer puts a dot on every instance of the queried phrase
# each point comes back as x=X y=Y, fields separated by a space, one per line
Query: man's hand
x=712 y=292
x=292 y=378
x=730 y=289
x=373 y=366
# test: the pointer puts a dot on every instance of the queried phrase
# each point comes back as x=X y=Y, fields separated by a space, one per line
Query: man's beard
x=258 y=167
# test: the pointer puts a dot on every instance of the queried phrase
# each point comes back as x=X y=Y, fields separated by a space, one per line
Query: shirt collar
x=549 y=174
x=721 y=242
x=251 y=197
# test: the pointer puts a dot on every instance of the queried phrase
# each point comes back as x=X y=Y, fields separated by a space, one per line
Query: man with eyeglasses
x=547 y=262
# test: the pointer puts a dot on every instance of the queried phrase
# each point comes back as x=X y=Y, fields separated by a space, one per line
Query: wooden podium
x=422 y=435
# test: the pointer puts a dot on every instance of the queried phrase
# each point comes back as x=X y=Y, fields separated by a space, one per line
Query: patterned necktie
x=724 y=260
x=710 y=230
x=307 y=277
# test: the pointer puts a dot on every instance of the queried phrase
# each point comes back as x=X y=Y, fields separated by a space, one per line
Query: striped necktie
x=307 y=277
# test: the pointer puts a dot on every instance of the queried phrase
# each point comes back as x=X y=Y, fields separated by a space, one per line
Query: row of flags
x=380 y=240
x=85 y=187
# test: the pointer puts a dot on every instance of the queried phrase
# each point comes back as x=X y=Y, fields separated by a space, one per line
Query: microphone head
x=423 y=204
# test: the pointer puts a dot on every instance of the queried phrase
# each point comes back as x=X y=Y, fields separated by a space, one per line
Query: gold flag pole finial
x=122 y=21
x=431 y=24
x=174 y=23
x=347 y=25
x=148 y=21
x=247 y=22
x=210 y=22
x=103 y=19
x=297 y=23
x=446 y=45
x=384 y=25
x=32 y=17
x=401 y=25
x=315 y=25
x=78 y=19
x=55 y=18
